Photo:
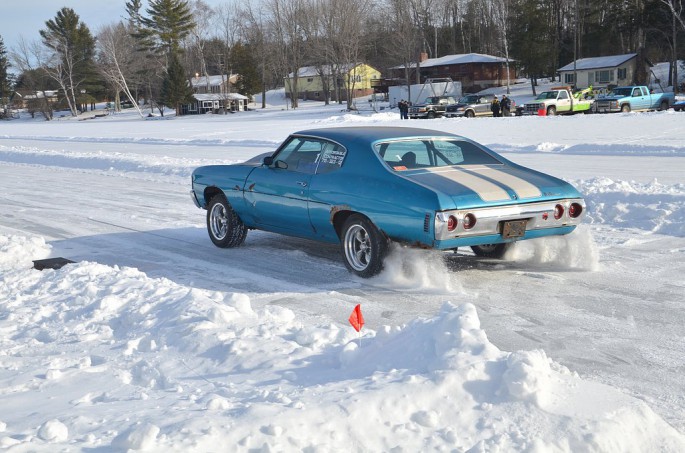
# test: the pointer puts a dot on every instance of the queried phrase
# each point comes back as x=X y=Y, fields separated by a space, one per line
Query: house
x=474 y=71
x=30 y=100
x=603 y=72
x=318 y=83
x=214 y=94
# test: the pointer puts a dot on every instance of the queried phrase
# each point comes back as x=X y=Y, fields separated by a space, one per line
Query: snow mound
x=653 y=206
x=19 y=252
x=147 y=364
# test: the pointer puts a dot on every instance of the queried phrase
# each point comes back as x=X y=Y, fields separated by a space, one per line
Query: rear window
x=410 y=154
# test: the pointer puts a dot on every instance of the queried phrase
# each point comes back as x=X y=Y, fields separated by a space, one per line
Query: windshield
x=432 y=152
x=547 y=95
x=468 y=100
x=622 y=92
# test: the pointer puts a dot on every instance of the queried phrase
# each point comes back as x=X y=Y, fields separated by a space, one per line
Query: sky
x=26 y=18
x=156 y=340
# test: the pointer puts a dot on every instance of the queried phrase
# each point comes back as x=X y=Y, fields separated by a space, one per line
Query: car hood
x=462 y=187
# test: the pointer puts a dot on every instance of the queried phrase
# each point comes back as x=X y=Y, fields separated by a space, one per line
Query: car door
x=639 y=100
x=483 y=106
x=277 y=194
x=563 y=102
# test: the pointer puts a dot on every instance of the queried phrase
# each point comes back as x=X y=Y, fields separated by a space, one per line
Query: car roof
x=371 y=134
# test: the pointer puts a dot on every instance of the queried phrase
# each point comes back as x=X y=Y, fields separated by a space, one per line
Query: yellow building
x=317 y=83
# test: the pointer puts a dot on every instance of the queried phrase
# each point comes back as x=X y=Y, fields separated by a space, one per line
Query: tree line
x=152 y=52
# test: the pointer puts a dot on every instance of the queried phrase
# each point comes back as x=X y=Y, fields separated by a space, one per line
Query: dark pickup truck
x=433 y=107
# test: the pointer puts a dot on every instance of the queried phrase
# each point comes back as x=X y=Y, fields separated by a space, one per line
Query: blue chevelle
x=363 y=187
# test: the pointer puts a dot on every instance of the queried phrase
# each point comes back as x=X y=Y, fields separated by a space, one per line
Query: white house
x=213 y=94
x=600 y=72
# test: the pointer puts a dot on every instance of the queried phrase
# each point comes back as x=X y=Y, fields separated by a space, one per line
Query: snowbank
x=123 y=362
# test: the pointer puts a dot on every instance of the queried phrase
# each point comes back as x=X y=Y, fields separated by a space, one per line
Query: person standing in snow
x=495 y=106
x=404 y=109
x=506 y=106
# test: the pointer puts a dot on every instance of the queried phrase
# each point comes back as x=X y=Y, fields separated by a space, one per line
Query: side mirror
x=268 y=161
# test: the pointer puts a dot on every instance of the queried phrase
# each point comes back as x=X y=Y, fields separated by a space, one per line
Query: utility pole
x=575 y=49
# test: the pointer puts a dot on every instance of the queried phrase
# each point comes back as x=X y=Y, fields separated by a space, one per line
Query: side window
x=405 y=155
x=300 y=154
x=332 y=158
x=636 y=92
x=563 y=95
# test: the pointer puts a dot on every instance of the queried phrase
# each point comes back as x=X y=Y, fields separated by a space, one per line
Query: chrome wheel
x=223 y=225
x=363 y=246
x=358 y=247
x=218 y=222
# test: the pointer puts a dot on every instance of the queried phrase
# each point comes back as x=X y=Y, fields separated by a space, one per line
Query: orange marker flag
x=356 y=318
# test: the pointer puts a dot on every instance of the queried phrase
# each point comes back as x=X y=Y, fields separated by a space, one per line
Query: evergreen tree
x=249 y=82
x=73 y=47
x=167 y=24
x=133 y=10
x=176 y=89
x=5 y=89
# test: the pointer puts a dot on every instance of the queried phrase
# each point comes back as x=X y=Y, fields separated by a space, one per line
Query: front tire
x=430 y=115
x=625 y=108
x=363 y=246
x=223 y=225
x=469 y=114
x=551 y=111
x=490 y=250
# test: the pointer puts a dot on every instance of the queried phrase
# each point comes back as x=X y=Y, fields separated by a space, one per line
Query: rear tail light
x=575 y=210
x=558 y=211
x=469 y=221
x=451 y=223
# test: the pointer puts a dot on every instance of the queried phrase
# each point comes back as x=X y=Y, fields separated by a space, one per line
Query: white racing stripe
x=485 y=189
x=523 y=188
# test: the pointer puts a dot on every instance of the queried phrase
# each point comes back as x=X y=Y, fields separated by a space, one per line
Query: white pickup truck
x=559 y=101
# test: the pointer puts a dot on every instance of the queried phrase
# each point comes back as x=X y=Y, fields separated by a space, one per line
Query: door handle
x=302 y=183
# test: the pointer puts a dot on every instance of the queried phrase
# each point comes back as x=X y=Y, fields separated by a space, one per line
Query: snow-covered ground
x=156 y=340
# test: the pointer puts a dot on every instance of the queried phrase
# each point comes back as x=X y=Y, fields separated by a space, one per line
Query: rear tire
x=490 y=250
x=363 y=246
x=223 y=225
x=663 y=106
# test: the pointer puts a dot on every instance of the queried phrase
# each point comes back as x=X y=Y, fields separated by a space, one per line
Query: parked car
x=679 y=106
x=363 y=187
x=432 y=107
x=471 y=105
x=633 y=98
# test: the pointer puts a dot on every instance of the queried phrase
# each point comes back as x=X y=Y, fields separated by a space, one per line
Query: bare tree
x=200 y=33
x=404 y=42
x=117 y=63
x=27 y=57
x=500 y=14
x=676 y=9
x=285 y=23
x=256 y=33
